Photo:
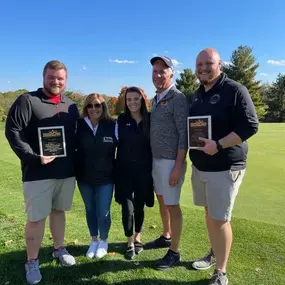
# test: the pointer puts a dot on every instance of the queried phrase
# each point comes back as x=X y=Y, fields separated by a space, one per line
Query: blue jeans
x=97 y=201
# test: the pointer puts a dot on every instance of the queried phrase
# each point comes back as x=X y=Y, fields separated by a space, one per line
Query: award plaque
x=198 y=127
x=52 y=141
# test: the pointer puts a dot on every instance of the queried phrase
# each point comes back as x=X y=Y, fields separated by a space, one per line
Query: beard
x=205 y=81
x=210 y=79
x=53 y=90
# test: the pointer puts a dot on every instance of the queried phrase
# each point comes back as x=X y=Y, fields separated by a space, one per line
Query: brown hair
x=143 y=110
x=56 y=65
x=89 y=99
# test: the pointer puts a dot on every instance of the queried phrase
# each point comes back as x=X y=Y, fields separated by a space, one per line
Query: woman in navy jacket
x=95 y=157
x=133 y=184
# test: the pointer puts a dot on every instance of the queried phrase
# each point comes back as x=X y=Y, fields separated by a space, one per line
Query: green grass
x=261 y=196
x=258 y=252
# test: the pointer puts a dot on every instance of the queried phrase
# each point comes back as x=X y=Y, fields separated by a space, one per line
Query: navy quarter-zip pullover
x=231 y=109
x=29 y=112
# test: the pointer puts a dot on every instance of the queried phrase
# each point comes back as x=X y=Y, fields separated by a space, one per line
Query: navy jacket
x=29 y=112
x=95 y=155
x=134 y=161
x=231 y=108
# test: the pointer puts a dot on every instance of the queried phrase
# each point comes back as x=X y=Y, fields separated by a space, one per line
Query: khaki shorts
x=41 y=196
x=217 y=191
x=161 y=170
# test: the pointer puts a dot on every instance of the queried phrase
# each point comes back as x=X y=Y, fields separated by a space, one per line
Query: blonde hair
x=56 y=65
x=89 y=99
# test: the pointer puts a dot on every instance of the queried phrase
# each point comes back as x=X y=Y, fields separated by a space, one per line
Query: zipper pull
x=56 y=106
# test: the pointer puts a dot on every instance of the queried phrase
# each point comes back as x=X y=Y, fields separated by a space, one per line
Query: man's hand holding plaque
x=210 y=146
x=47 y=159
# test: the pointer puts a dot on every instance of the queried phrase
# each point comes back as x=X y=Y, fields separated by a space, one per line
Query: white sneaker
x=102 y=249
x=92 y=249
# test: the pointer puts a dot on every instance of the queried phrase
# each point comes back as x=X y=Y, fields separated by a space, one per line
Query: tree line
x=269 y=99
x=115 y=104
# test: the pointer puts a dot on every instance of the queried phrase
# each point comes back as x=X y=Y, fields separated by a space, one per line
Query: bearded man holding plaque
x=224 y=119
x=40 y=129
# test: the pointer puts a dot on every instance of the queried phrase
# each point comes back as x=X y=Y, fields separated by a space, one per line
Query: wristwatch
x=219 y=146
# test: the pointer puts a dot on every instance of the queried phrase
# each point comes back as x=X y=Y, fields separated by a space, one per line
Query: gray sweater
x=168 y=124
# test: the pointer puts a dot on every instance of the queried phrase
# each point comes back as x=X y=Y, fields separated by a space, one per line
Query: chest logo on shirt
x=107 y=139
x=163 y=102
x=128 y=124
x=215 y=99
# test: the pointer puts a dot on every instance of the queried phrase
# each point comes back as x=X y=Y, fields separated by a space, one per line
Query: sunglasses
x=90 y=106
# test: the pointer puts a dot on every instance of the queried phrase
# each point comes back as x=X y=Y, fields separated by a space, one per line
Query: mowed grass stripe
x=261 y=196
x=264 y=182
x=258 y=252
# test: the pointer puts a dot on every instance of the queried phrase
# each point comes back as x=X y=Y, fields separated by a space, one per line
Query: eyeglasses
x=97 y=105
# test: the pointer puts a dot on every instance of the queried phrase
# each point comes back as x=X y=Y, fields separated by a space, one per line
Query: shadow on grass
x=86 y=271
x=154 y=281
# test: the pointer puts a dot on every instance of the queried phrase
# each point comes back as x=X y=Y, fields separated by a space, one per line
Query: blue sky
x=107 y=44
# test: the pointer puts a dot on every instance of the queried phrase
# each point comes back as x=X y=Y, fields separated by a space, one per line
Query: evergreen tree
x=242 y=68
x=275 y=99
x=187 y=84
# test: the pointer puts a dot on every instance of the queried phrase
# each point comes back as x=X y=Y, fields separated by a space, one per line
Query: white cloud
x=166 y=51
x=178 y=71
x=263 y=74
x=176 y=62
x=122 y=61
x=8 y=81
x=276 y=62
x=154 y=54
x=227 y=63
x=84 y=67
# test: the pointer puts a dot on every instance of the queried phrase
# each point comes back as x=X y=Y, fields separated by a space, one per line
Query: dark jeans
x=132 y=213
x=97 y=201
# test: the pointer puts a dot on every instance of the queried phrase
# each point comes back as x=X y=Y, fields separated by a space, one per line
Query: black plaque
x=198 y=127
x=52 y=141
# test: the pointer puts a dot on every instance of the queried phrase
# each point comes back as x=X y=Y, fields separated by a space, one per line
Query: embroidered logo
x=163 y=102
x=108 y=139
x=128 y=124
x=215 y=99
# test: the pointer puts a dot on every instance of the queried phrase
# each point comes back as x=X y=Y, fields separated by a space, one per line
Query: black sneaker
x=169 y=260
x=138 y=247
x=219 y=278
x=160 y=242
x=130 y=253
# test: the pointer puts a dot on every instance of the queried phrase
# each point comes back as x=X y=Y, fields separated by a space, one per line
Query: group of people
x=133 y=158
